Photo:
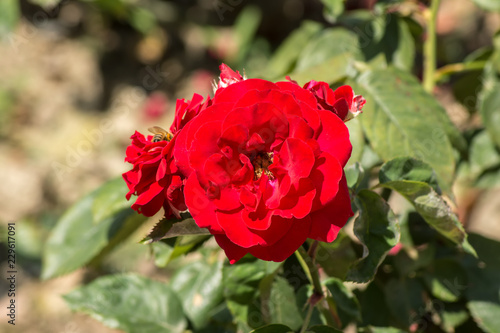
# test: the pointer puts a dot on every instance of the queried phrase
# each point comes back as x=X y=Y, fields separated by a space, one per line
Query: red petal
x=289 y=243
x=233 y=251
x=328 y=221
x=298 y=92
x=151 y=201
x=297 y=158
x=200 y=207
x=235 y=91
x=334 y=137
x=237 y=231
x=325 y=176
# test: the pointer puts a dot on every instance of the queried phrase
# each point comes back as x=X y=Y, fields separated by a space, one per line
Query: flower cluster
x=260 y=165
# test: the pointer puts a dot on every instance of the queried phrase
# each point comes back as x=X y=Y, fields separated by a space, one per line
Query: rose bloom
x=263 y=164
x=154 y=178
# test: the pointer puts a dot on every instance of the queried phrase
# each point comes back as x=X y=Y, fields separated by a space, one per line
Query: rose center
x=261 y=163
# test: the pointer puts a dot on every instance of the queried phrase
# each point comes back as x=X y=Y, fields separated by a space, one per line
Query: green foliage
x=131 y=303
x=377 y=229
x=9 y=16
x=89 y=228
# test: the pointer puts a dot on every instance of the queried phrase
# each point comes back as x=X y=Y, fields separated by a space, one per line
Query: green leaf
x=445 y=278
x=336 y=257
x=327 y=57
x=168 y=249
x=408 y=168
x=373 y=306
x=401 y=119
x=357 y=141
x=433 y=209
x=483 y=289
x=9 y=16
x=168 y=228
x=377 y=229
x=241 y=280
x=483 y=155
x=390 y=36
x=346 y=303
x=453 y=315
x=285 y=57
x=490 y=104
x=322 y=329
x=282 y=305
x=79 y=236
x=493 y=5
x=404 y=299
x=199 y=286
x=142 y=20
x=333 y=9
x=273 y=328
x=131 y=303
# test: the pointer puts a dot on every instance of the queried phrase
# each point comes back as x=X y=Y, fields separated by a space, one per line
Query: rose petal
x=325 y=176
x=287 y=245
x=334 y=137
x=328 y=221
x=235 y=91
x=298 y=158
x=200 y=207
x=232 y=251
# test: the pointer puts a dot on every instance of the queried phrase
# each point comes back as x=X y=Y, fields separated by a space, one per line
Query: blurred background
x=77 y=78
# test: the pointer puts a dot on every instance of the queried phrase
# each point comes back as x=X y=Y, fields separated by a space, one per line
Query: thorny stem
x=430 y=48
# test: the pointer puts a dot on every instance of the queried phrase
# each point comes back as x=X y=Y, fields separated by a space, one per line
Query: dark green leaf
x=79 y=236
x=408 y=168
x=373 y=306
x=377 y=229
x=131 y=303
x=346 y=303
x=168 y=228
x=404 y=299
x=241 y=280
x=282 y=305
x=335 y=258
x=401 y=119
x=433 y=209
x=389 y=36
x=483 y=289
x=273 y=328
x=354 y=176
x=445 y=278
x=9 y=16
x=199 y=286
x=322 y=329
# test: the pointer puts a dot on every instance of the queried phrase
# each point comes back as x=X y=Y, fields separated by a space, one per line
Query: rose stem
x=309 y=267
x=430 y=47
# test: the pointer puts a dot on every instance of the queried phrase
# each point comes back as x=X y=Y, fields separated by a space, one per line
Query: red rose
x=342 y=101
x=264 y=169
x=154 y=177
